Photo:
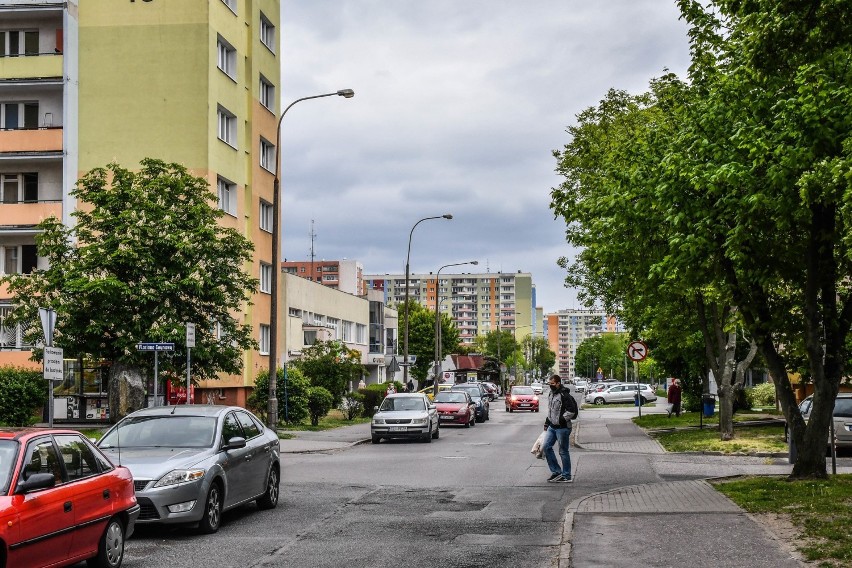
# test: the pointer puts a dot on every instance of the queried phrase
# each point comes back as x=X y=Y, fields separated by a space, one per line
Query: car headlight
x=535 y=399
x=419 y=421
x=462 y=410
x=378 y=421
x=179 y=476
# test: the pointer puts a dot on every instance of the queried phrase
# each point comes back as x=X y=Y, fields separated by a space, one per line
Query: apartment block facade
x=567 y=329
x=344 y=275
x=87 y=82
x=476 y=302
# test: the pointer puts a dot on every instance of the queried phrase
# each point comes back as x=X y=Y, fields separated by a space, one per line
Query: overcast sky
x=458 y=107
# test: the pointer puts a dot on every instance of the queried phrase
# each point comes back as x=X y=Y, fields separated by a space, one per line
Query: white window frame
x=9 y=254
x=348 y=329
x=231 y=4
x=227 y=192
x=227 y=126
x=265 y=216
x=226 y=57
x=263 y=339
x=360 y=334
x=267 y=93
x=267 y=155
x=267 y=33
x=265 y=278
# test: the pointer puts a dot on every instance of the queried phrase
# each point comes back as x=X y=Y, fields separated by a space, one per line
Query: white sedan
x=537 y=387
x=404 y=415
x=622 y=393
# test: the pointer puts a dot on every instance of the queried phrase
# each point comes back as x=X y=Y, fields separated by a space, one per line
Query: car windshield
x=450 y=397
x=8 y=452
x=474 y=393
x=522 y=390
x=843 y=407
x=402 y=403
x=162 y=431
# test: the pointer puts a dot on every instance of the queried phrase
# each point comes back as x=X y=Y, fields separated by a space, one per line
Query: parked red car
x=61 y=501
x=522 y=398
x=455 y=408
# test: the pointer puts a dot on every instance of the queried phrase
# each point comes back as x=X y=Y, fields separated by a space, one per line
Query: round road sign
x=637 y=351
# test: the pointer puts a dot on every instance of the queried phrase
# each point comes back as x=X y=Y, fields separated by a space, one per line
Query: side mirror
x=235 y=443
x=34 y=482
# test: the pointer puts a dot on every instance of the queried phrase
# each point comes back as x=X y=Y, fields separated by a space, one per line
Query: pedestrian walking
x=673 y=396
x=362 y=384
x=410 y=385
x=557 y=426
x=391 y=389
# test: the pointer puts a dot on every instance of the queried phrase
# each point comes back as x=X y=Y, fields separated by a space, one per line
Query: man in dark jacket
x=561 y=411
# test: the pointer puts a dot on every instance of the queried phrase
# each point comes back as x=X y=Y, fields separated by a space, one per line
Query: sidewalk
x=671 y=523
x=304 y=442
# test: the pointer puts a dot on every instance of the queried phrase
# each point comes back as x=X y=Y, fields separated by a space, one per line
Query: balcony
x=29 y=213
x=31 y=140
x=40 y=66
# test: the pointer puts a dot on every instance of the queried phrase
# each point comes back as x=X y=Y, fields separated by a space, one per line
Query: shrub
x=691 y=392
x=22 y=393
x=352 y=405
x=373 y=396
x=292 y=395
x=763 y=394
x=320 y=401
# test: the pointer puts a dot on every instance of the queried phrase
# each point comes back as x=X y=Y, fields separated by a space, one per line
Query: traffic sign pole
x=156 y=348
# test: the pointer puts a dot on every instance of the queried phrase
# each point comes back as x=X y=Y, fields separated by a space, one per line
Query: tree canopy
x=421 y=337
x=145 y=256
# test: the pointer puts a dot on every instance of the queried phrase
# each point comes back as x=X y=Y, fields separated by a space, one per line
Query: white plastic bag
x=536 y=448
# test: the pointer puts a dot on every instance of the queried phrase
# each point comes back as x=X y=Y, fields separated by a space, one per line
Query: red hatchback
x=61 y=501
x=456 y=408
x=522 y=398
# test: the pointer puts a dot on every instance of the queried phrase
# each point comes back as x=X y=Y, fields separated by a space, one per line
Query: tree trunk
x=126 y=390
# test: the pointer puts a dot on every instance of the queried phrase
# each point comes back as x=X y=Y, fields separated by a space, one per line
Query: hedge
x=23 y=393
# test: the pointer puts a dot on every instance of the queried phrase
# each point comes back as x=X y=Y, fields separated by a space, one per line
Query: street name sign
x=637 y=351
x=53 y=363
x=155 y=346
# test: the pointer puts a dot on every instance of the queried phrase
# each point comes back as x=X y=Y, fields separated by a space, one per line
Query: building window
x=227 y=196
x=227 y=60
x=265 y=278
x=18 y=115
x=348 y=331
x=18 y=188
x=264 y=339
x=18 y=259
x=360 y=333
x=267 y=156
x=18 y=42
x=232 y=4
x=267 y=33
x=267 y=93
x=265 y=216
x=227 y=126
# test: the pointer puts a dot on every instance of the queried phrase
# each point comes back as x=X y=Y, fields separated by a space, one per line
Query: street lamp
x=407 y=258
x=272 y=406
x=438 y=321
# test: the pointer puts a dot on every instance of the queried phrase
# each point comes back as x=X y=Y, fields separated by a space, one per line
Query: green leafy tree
x=331 y=365
x=145 y=255
x=541 y=358
x=23 y=393
x=291 y=391
x=421 y=337
x=320 y=402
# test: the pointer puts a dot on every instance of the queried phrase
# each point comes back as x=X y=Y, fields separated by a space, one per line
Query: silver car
x=404 y=415
x=622 y=393
x=191 y=463
x=842 y=416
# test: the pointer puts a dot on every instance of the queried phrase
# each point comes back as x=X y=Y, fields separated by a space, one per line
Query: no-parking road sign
x=637 y=351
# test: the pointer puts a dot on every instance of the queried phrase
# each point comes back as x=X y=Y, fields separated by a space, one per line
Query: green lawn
x=820 y=509
x=694 y=419
x=747 y=439
x=333 y=419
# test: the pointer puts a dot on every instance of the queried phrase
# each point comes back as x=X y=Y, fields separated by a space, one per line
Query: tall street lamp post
x=272 y=406
x=438 y=321
x=407 y=259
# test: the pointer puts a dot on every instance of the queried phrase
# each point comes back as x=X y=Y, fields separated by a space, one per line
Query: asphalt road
x=474 y=497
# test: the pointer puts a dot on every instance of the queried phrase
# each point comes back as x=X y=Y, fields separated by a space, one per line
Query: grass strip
x=820 y=509
x=747 y=439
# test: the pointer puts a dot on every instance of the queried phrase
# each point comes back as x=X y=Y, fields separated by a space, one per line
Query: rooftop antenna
x=313 y=236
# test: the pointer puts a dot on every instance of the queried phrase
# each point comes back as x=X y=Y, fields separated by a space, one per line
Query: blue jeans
x=561 y=434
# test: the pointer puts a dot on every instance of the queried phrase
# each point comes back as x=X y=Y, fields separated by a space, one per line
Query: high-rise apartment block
x=87 y=82
x=344 y=275
x=567 y=329
x=477 y=303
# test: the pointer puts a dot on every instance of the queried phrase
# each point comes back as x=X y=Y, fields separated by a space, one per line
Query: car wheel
x=375 y=439
x=437 y=433
x=269 y=500
x=110 y=547
x=467 y=424
x=472 y=420
x=212 y=511
x=535 y=410
x=643 y=401
x=599 y=400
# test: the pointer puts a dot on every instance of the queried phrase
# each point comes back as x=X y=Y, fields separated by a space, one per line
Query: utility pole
x=313 y=236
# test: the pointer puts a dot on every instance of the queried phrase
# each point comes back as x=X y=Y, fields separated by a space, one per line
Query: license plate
x=523 y=405
x=448 y=417
x=398 y=428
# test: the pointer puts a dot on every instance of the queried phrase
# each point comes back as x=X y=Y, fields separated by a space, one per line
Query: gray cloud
x=458 y=107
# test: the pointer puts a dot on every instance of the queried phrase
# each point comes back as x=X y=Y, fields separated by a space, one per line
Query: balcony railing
x=31 y=140
x=29 y=213
x=43 y=65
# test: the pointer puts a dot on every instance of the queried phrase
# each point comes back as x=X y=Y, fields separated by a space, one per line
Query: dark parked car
x=479 y=396
x=191 y=463
x=61 y=501
x=456 y=408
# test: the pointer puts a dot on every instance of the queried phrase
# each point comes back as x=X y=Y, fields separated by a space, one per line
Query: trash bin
x=709 y=405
